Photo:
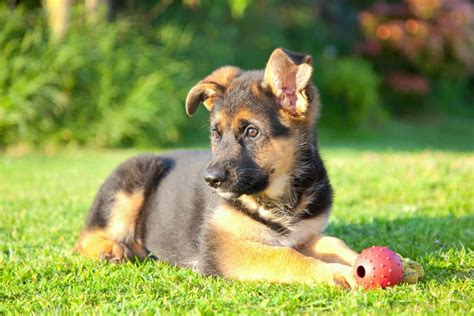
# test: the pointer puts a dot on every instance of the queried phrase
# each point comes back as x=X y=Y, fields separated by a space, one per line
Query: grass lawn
x=418 y=201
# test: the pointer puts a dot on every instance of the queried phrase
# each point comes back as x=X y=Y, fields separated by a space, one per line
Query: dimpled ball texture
x=378 y=267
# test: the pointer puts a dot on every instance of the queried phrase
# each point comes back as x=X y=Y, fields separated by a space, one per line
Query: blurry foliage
x=123 y=83
x=103 y=85
x=417 y=43
x=434 y=37
x=350 y=94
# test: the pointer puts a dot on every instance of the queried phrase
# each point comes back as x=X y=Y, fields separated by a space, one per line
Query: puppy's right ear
x=210 y=88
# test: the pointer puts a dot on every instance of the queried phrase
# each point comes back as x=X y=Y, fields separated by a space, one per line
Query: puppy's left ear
x=210 y=88
x=288 y=74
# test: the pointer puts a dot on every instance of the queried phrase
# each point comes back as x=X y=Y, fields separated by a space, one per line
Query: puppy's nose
x=216 y=176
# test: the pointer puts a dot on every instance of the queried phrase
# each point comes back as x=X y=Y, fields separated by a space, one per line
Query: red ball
x=378 y=267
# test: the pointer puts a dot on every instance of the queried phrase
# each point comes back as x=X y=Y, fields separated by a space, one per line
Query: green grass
x=419 y=202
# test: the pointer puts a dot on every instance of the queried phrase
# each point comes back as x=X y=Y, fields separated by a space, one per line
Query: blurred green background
x=105 y=73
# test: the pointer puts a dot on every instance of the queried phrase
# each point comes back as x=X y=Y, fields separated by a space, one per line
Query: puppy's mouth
x=241 y=187
x=226 y=195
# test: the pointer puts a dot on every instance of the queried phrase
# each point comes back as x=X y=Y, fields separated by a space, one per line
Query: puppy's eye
x=215 y=134
x=251 y=132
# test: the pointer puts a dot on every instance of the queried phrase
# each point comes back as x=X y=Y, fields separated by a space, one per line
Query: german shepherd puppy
x=254 y=208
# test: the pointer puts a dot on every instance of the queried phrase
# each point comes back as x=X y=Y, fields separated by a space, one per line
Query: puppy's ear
x=210 y=88
x=288 y=74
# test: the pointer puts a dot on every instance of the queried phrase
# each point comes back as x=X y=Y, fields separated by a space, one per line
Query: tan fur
x=243 y=253
x=223 y=76
x=278 y=155
x=301 y=233
x=242 y=114
x=249 y=202
x=256 y=89
x=210 y=95
x=124 y=215
x=96 y=244
x=121 y=226
x=304 y=231
x=222 y=117
x=330 y=249
x=313 y=111
x=208 y=89
x=233 y=221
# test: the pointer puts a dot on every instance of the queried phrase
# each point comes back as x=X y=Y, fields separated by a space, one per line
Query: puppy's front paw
x=340 y=275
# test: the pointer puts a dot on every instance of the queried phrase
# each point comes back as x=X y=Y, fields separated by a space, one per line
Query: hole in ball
x=360 y=271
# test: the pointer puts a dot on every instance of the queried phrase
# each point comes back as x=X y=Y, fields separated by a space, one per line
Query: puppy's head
x=258 y=120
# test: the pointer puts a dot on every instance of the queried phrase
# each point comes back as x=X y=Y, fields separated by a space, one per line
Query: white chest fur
x=237 y=224
x=302 y=231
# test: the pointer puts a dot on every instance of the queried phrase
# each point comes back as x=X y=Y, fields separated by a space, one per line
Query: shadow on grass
x=441 y=244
